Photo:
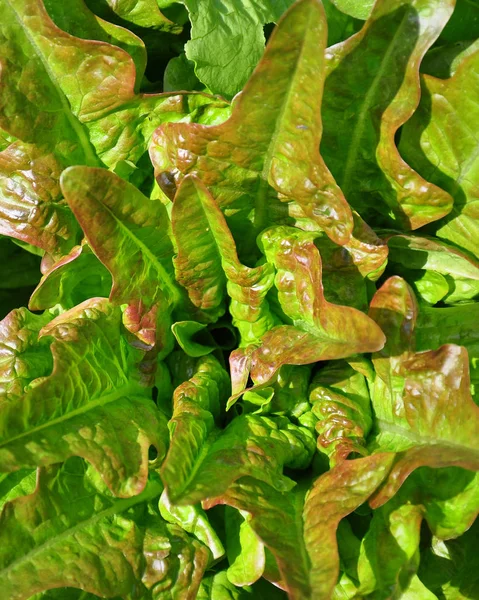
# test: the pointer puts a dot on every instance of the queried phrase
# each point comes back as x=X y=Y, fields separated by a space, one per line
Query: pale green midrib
x=152 y=490
x=102 y=401
x=164 y=277
x=260 y=204
x=384 y=426
x=74 y=122
x=364 y=112
x=198 y=461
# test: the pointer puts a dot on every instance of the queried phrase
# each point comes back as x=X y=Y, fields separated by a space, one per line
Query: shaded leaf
x=371 y=90
x=439 y=142
x=422 y=401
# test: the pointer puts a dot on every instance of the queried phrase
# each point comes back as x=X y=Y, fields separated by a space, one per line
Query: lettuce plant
x=250 y=359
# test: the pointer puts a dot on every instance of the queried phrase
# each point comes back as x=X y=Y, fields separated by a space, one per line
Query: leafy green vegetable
x=240 y=376
x=439 y=142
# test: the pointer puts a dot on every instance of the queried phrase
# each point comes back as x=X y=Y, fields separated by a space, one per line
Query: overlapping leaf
x=210 y=269
x=440 y=141
x=77 y=409
x=86 y=113
x=262 y=165
x=320 y=330
x=93 y=541
x=371 y=90
x=422 y=401
x=130 y=234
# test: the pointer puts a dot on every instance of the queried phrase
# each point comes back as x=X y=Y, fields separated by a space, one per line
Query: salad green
x=249 y=366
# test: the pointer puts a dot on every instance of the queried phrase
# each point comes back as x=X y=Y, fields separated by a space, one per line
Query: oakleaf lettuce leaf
x=422 y=400
x=372 y=89
x=262 y=165
x=339 y=398
x=76 y=104
x=303 y=523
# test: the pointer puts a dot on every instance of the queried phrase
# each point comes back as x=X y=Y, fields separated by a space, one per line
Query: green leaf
x=130 y=234
x=449 y=501
x=180 y=75
x=79 y=95
x=77 y=276
x=88 y=405
x=18 y=483
x=291 y=525
x=347 y=268
x=453 y=325
x=422 y=402
x=251 y=445
x=459 y=272
x=227 y=40
x=192 y=338
x=360 y=9
x=340 y=25
x=262 y=165
x=245 y=551
x=211 y=269
x=143 y=13
x=340 y=400
x=77 y=20
x=198 y=403
x=23 y=357
x=333 y=496
x=320 y=330
x=371 y=90
x=439 y=143
x=449 y=568
x=194 y=520
x=73 y=532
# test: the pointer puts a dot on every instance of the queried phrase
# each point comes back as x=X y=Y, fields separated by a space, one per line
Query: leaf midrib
x=260 y=204
x=152 y=490
x=77 y=127
x=365 y=108
x=102 y=401
x=164 y=276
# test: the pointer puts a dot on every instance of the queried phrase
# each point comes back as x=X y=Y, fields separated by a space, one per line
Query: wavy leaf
x=461 y=273
x=130 y=234
x=77 y=276
x=371 y=90
x=251 y=445
x=440 y=143
x=93 y=541
x=340 y=400
x=101 y=415
x=422 y=402
x=212 y=269
x=79 y=95
x=259 y=169
x=320 y=330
